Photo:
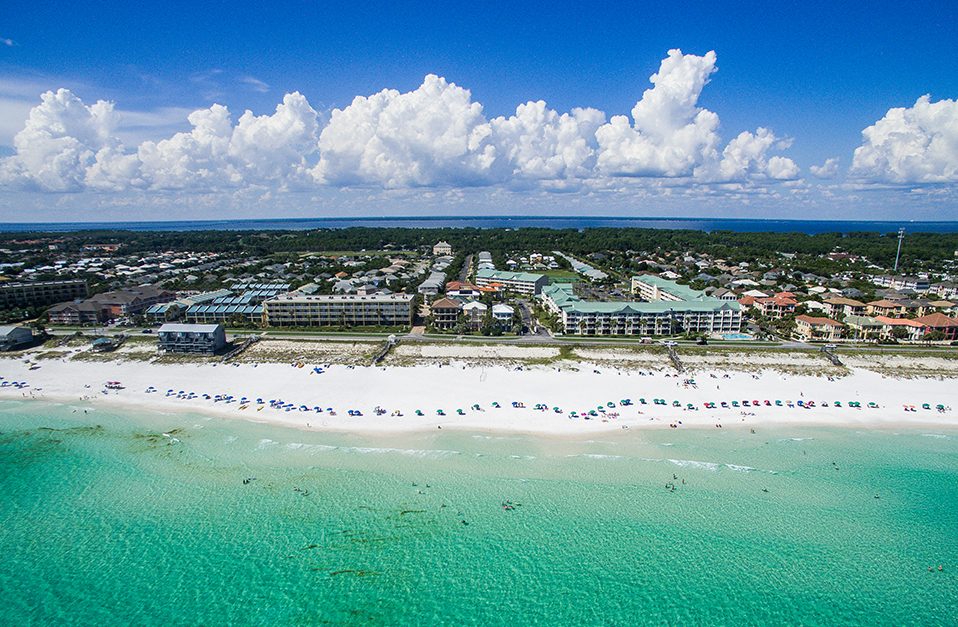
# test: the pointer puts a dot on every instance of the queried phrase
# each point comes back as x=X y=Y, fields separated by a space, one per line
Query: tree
x=934 y=336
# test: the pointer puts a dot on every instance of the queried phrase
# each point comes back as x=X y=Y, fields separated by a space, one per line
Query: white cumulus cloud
x=539 y=143
x=433 y=135
x=918 y=144
x=746 y=157
x=669 y=134
x=60 y=141
x=827 y=170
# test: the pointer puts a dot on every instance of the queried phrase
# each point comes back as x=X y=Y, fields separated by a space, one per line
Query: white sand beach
x=569 y=386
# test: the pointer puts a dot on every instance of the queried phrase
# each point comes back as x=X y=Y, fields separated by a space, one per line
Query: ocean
x=742 y=225
x=109 y=518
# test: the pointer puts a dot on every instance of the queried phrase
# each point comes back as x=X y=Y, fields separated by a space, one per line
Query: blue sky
x=813 y=75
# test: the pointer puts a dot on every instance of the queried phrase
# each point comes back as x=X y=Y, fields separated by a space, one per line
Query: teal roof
x=684 y=292
x=862 y=321
x=563 y=296
x=501 y=275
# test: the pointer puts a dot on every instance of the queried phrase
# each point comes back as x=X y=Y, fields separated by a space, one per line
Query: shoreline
x=459 y=386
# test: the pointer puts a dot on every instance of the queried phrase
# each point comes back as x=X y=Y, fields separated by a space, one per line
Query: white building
x=442 y=248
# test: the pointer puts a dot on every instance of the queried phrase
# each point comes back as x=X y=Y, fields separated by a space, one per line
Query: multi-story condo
x=191 y=338
x=698 y=314
x=333 y=310
x=917 y=283
x=40 y=293
x=519 y=282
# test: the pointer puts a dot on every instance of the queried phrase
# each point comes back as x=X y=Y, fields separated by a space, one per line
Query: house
x=885 y=307
x=441 y=248
x=776 y=307
x=463 y=289
x=940 y=322
x=844 y=306
x=475 y=313
x=503 y=314
x=445 y=313
x=812 y=328
x=913 y=330
x=14 y=337
x=863 y=328
x=191 y=338
x=721 y=293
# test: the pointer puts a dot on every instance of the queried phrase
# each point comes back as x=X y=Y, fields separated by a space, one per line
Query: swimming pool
x=737 y=336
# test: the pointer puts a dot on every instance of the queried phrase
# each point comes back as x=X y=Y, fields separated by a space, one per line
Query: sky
x=152 y=111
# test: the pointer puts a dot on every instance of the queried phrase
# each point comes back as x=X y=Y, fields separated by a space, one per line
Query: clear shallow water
x=744 y=225
x=105 y=520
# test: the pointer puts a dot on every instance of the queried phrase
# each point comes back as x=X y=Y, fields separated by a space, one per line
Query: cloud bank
x=437 y=136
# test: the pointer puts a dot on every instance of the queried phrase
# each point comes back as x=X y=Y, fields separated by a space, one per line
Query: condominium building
x=334 y=310
x=651 y=288
x=698 y=314
x=519 y=282
x=191 y=338
x=40 y=293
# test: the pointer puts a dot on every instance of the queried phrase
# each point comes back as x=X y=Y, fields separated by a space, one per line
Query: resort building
x=13 y=337
x=225 y=312
x=83 y=312
x=130 y=301
x=191 y=338
x=338 y=310
x=812 y=328
x=441 y=248
x=518 y=282
x=651 y=288
x=445 y=313
x=698 y=314
x=109 y=305
x=40 y=293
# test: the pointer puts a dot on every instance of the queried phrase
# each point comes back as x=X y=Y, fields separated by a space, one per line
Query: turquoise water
x=105 y=520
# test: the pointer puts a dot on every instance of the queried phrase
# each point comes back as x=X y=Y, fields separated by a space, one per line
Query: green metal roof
x=563 y=296
x=683 y=292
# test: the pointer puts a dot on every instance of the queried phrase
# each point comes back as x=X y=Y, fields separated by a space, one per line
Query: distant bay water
x=742 y=225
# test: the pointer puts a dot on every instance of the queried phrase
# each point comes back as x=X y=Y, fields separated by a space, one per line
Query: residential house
x=442 y=248
x=445 y=313
x=813 y=328
x=940 y=322
x=839 y=305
